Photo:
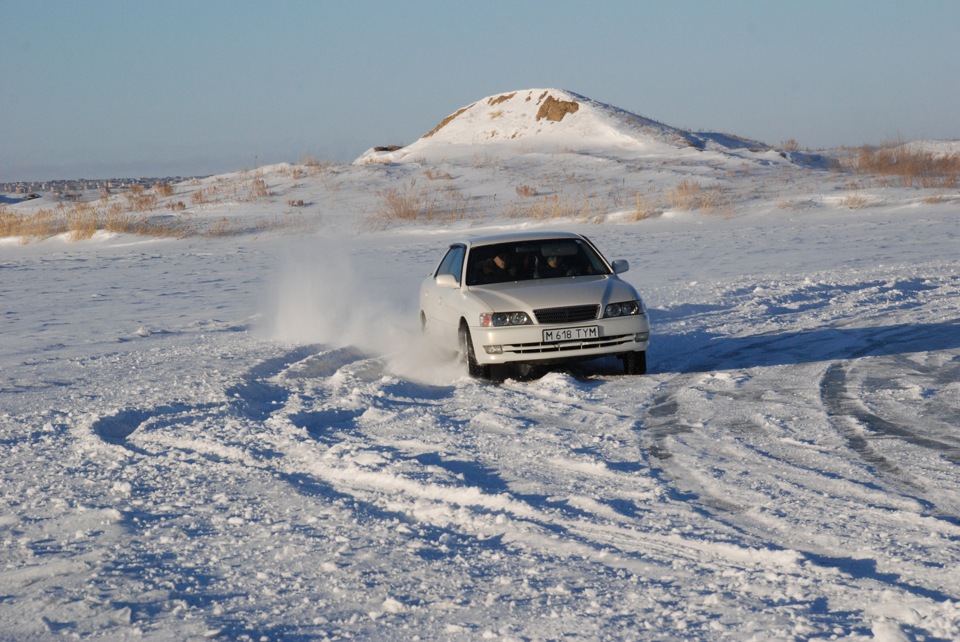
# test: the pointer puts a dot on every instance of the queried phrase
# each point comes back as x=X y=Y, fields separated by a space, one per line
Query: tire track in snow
x=840 y=403
x=860 y=428
x=458 y=484
x=662 y=422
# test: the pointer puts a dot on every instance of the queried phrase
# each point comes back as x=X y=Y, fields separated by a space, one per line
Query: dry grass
x=412 y=203
x=854 y=201
x=139 y=200
x=690 y=195
x=81 y=221
x=686 y=195
x=557 y=206
x=645 y=208
x=908 y=166
x=40 y=224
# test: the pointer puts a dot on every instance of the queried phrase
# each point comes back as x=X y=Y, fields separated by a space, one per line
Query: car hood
x=553 y=293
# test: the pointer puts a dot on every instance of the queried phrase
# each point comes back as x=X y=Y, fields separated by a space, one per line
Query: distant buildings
x=79 y=188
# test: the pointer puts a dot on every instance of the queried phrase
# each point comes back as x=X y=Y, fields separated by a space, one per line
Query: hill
x=548 y=120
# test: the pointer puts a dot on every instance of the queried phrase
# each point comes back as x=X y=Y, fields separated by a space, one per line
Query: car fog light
x=640 y=337
x=493 y=349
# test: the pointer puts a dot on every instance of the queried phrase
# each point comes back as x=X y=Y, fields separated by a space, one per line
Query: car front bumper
x=528 y=344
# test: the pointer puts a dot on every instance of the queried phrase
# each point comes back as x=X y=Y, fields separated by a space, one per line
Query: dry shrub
x=163 y=189
x=407 y=203
x=435 y=174
x=526 y=191
x=199 y=197
x=258 y=187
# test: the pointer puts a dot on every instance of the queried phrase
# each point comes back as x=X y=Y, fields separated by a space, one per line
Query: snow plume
x=319 y=296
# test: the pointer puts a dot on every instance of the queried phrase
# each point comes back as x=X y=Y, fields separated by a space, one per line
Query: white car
x=533 y=298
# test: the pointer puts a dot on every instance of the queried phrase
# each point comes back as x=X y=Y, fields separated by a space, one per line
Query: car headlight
x=623 y=309
x=497 y=319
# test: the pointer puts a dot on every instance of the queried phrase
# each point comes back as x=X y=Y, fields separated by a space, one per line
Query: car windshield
x=527 y=260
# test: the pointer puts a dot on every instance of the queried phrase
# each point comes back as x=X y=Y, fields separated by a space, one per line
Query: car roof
x=509 y=237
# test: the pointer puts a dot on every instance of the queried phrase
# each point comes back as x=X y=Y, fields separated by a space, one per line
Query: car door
x=442 y=306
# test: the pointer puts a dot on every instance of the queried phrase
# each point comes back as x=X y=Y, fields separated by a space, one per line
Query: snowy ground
x=243 y=438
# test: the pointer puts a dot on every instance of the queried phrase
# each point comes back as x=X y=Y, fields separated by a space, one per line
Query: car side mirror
x=620 y=266
x=447 y=281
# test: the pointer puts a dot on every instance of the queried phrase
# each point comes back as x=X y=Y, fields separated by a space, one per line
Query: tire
x=468 y=356
x=635 y=363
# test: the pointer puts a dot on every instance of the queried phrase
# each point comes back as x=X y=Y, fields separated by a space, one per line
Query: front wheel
x=468 y=356
x=635 y=363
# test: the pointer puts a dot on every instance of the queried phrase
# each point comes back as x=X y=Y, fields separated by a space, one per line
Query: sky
x=104 y=88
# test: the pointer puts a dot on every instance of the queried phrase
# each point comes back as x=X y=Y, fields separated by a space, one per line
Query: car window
x=452 y=263
x=456 y=265
x=526 y=260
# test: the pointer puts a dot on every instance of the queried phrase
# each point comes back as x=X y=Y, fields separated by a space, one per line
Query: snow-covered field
x=244 y=437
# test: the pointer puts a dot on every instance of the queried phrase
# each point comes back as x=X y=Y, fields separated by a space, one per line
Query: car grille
x=570 y=314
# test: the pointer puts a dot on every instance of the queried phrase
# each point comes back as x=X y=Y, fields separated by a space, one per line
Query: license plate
x=571 y=334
